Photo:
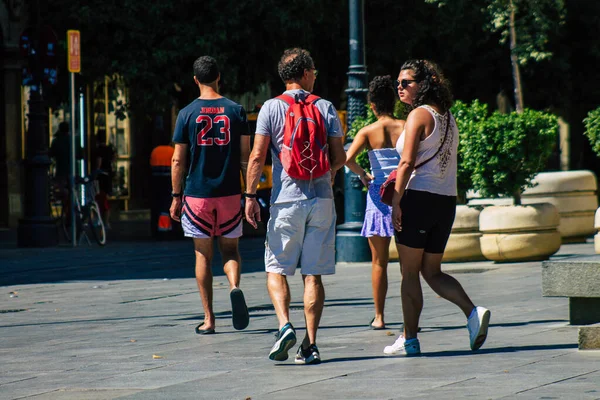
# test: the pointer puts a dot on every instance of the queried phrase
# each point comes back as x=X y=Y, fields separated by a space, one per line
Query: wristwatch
x=250 y=195
x=175 y=194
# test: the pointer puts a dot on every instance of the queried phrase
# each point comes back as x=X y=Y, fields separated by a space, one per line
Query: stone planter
x=597 y=227
x=463 y=244
x=519 y=233
x=573 y=193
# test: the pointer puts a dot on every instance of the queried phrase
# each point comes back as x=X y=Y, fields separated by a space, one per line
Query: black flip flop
x=204 y=331
x=239 y=310
x=375 y=328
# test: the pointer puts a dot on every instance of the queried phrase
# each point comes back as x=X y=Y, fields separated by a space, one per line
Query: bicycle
x=88 y=219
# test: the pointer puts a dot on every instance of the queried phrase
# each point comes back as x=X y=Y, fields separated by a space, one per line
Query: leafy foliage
x=505 y=151
x=469 y=120
x=592 y=129
x=360 y=122
x=536 y=21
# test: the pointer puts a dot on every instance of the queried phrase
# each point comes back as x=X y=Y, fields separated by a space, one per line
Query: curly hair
x=383 y=94
x=293 y=63
x=434 y=87
x=206 y=69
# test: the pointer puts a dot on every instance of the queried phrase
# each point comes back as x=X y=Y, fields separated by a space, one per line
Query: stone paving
x=118 y=322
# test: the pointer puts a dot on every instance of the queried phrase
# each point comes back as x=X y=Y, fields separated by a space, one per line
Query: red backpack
x=304 y=153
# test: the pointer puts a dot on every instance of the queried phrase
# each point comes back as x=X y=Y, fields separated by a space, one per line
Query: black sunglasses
x=404 y=83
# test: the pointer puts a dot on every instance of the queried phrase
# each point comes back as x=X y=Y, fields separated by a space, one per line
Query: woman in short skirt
x=380 y=138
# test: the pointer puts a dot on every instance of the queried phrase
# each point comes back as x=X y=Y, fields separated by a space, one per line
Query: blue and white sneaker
x=403 y=347
x=285 y=339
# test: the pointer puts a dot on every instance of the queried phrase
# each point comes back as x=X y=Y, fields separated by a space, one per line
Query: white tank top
x=439 y=174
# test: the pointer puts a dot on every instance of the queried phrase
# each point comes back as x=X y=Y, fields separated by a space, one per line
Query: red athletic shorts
x=216 y=216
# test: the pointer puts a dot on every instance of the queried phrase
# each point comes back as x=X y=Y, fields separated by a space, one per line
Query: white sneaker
x=403 y=348
x=477 y=325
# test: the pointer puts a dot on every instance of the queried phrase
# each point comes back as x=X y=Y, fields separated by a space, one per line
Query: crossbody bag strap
x=442 y=145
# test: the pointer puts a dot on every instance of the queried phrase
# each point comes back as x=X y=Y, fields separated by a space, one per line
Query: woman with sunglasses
x=380 y=138
x=424 y=203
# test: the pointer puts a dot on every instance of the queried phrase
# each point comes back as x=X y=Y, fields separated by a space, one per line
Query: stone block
x=589 y=337
x=577 y=278
x=571 y=277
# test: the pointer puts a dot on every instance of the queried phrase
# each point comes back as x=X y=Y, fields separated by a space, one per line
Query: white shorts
x=301 y=233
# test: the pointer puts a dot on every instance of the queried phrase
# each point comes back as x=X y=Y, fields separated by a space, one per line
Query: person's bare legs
x=204 y=278
x=314 y=300
x=410 y=289
x=279 y=291
x=380 y=256
x=443 y=284
x=231 y=260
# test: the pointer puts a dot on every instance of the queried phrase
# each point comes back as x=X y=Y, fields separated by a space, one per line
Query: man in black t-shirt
x=212 y=133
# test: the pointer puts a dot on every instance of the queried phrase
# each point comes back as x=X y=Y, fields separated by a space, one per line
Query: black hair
x=206 y=69
x=434 y=88
x=383 y=94
x=293 y=63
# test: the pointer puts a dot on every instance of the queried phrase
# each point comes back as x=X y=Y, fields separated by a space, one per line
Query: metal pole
x=73 y=172
x=350 y=246
x=82 y=169
x=37 y=228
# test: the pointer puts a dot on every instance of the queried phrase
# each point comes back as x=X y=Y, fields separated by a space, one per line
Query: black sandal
x=239 y=310
x=376 y=328
x=199 y=331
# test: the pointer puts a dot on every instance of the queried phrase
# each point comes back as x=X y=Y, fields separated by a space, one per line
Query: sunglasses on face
x=404 y=83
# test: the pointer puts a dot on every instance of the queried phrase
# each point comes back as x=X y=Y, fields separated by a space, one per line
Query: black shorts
x=427 y=220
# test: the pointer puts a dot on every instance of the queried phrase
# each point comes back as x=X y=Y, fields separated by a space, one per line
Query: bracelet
x=175 y=194
x=250 y=195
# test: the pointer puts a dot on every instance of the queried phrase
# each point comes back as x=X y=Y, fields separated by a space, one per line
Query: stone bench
x=577 y=278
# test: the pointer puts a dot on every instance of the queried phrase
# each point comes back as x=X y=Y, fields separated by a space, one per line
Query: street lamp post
x=37 y=228
x=350 y=246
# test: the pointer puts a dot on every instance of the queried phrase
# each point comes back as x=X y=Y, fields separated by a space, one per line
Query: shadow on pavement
x=507 y=349
x=116 y=261
x=503 y=325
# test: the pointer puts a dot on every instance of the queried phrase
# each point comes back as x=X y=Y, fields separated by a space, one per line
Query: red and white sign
x=74 y=45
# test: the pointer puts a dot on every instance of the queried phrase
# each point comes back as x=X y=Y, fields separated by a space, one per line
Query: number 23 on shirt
x=221 y=124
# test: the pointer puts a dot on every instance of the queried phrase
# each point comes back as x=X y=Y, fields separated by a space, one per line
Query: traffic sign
x=74 y=45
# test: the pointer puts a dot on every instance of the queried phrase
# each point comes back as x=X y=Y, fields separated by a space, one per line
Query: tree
x=525 y=25
x=152 y=45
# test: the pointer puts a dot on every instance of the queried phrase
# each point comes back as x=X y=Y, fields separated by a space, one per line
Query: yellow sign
x=74 y=45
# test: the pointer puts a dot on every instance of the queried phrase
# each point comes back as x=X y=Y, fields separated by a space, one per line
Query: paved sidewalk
x=118 y=322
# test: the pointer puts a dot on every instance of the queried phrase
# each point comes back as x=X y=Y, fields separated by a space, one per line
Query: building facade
x=12 y=22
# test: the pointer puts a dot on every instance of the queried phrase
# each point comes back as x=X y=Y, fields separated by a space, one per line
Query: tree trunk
x=517 y=197
x=514 y=61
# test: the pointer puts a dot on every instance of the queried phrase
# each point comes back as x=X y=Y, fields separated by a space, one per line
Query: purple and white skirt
x=378 y=216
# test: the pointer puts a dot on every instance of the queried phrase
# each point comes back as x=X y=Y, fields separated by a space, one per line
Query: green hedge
x=505 y=151
x=469 y=118
x=592 y=129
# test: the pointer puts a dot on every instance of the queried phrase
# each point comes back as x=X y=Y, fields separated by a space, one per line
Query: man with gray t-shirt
x=301 y=229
